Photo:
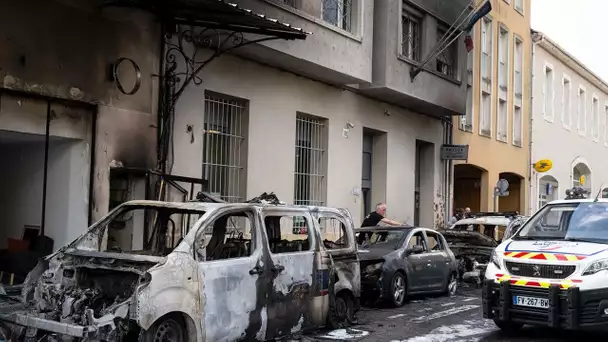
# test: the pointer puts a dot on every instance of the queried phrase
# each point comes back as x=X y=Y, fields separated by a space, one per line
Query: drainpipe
x=447 y=170
x=536 y=39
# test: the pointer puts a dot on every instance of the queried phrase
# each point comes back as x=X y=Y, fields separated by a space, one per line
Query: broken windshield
x=381 y=239
x=140 y=229
x=586 y=221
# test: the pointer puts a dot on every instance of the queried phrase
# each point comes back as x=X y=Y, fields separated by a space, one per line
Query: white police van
x=554 y=270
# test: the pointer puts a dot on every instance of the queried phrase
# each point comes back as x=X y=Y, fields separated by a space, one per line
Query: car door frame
x=440 y=262
x=417 y=277
x=290 y=308
x=223 y=293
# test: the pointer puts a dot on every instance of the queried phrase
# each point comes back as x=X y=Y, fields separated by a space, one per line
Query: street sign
x=543 y=165
x=454 y=152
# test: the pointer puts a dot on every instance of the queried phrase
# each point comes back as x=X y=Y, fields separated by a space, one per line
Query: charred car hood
x=462 y=237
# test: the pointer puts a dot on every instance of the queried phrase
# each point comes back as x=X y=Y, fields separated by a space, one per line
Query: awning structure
x=214 y=14
x=189 y=26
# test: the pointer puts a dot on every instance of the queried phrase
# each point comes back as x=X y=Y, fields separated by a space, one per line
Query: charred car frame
x=208 y=272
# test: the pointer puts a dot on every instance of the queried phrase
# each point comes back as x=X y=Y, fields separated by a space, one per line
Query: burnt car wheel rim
x=399 y=289
x=452 y=285
x=168 y=331
x=341 y=308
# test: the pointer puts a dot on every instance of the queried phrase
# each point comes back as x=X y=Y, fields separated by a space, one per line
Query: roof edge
x=554 y=49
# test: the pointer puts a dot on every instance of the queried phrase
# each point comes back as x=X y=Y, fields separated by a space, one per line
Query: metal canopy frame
x=194 y=33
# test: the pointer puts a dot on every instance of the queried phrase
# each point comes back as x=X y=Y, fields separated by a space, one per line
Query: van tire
x=342 y=312
x=170 y=327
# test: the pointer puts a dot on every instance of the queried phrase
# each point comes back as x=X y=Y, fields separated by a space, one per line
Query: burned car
x=472 y=250
x=399 y=261
x=195 y=271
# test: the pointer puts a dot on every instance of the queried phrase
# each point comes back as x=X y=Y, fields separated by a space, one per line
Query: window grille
x=224 y=146
x=446 y=60
x=309 y=185
x=410 y=44
x=338 y=13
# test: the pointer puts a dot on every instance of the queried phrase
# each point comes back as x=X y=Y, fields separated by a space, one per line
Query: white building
x=323 y=121
x=569 y=123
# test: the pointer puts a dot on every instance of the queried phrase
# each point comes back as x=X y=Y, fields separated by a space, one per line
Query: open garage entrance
x=514 y=201
x=45 y=173
x=467 y=186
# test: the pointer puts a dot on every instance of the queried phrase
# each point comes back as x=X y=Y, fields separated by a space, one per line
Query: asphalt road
x=438 y=319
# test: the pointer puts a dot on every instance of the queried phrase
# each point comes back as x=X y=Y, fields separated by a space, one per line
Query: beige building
x=496 y=125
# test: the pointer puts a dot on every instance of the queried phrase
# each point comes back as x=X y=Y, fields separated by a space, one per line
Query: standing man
x=374 y=218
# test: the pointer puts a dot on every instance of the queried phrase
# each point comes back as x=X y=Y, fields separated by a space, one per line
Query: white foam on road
x=445 y=313
x=470 y=299
x=448 y=304
x=470 y=331
x=345 y=334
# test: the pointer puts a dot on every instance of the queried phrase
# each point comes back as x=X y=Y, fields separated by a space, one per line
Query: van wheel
x=169 y=328
x=342 y=314
x=508 y=327
x=398 y=290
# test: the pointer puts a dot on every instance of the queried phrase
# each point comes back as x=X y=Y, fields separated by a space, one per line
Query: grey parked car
x=400 y=261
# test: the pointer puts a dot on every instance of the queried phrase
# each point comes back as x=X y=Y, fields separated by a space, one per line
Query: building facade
x=569 y=123
x=54 y=78
x=496 y=125
x=333 y=120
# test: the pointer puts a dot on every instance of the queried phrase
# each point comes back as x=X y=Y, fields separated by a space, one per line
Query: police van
x=553 y=271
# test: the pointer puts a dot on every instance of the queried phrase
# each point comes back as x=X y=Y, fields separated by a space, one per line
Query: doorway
x=373 y=175
x=366 y=173
x=423 y=184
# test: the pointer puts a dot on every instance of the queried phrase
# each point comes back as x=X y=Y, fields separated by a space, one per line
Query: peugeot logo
x=536 y=270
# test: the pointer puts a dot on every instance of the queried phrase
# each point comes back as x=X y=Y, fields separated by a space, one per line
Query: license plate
x=532 y=302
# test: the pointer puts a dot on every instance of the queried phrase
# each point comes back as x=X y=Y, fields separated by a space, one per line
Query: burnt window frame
x=209 y=221
x=313 y=227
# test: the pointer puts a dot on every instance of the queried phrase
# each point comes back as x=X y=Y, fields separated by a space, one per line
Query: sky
x=580 y=27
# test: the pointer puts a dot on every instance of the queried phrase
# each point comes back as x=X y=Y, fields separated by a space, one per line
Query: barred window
x=225 y=146
x=410 y=41
x=310 y=160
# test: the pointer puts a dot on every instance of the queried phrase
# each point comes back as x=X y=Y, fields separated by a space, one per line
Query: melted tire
x=342 y=312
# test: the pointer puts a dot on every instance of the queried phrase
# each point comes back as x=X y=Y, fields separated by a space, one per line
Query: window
x=519 y=6
x=466 y=121
x=446 y=62
x=595 y=117
x=606 y=124
x=310 y=160
x=410 y=42
x=333 y=233
x=435 y=243
x=517 y=68
x=503 y=58
x=485 y=117
x=485 y=120
x=225 y=146
x=502 y=122
x=417 y=240
x=517 y=127
x=548 y=93
x=338 y=13
x=228 y=237
x=287 y=233
x=145 y=230
x=518 y=63
x=566 y=102
x=581 y=111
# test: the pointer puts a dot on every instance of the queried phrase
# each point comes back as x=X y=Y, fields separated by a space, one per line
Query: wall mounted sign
x=543 y=165
x=454 y=152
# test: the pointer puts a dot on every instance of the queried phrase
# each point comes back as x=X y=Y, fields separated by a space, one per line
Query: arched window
x=579 y=170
